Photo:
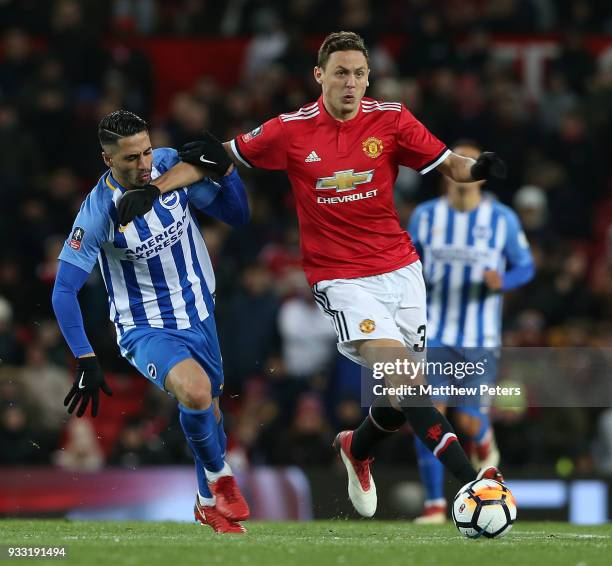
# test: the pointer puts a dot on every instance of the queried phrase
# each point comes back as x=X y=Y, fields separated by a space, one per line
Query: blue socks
x=203 y=489
x=201 y=431
x=221 y=436
x=485 y=423
x=431 y=470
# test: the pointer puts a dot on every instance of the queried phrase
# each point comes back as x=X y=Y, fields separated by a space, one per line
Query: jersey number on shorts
x=421 y=345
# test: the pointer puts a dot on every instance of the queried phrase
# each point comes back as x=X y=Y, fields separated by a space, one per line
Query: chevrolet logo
x=344 y=180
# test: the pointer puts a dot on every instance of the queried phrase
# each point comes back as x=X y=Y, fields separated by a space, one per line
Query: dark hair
x=119 y=124
x=341 y=41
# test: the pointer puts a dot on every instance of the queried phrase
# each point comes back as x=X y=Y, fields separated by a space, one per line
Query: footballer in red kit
x=342 y=174
x=342 y=155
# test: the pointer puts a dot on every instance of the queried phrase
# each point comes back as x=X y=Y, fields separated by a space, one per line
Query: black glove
x=207 y=152
x=488 y=165
x=89 y=379
x=136 y=202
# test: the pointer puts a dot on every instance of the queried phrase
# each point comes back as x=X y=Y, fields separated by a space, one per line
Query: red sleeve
x=417 y=147
x=265 y=147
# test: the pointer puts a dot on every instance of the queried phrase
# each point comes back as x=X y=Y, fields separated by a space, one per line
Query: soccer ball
x=484 y=508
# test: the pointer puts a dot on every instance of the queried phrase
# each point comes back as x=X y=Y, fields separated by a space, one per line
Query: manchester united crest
x=372 y=147
x=367 y=326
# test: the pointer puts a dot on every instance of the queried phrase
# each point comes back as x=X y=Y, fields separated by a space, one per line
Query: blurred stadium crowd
x=66 y=63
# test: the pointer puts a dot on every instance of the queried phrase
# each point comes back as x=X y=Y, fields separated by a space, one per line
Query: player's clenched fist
x=89 y=380
x=207 y=152
x=488 y=165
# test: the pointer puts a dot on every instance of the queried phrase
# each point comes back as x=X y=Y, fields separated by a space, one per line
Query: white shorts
x=391 y=305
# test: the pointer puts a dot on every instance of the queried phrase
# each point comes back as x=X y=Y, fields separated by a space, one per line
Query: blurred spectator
x=17 y=63
x=439 y=107
x=283 y=259
x=247 y=326
x=268 y=45
x=308 y=338
x=573 y=147
x=188 y=118
x=256 y=424
x=129 y=75
x=532 y=207
x=46 y=105
x=13 y=289
x=307 y=442
x=136 y=448
x=11 y=352
x=17 y=445
x=557 y=100
x=476 y=54
x=575 y=62
x=135 y=15
x=75 y=46
x=81 y=450
x=45 y=387
x=430 y=47
x=20 y=155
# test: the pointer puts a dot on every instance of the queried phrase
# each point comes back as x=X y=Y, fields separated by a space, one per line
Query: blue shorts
x=155 y=351
x=472 y=367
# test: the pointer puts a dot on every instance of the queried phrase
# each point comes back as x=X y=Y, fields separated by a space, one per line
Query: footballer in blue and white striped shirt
x=473 y=249
x=160 y=285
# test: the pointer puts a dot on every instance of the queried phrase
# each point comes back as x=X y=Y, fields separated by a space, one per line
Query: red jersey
x=342 y=174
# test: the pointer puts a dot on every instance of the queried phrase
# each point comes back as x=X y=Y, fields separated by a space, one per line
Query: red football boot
x=209 y=515
x=229 y=500
x=434 y=513
x=361 y=487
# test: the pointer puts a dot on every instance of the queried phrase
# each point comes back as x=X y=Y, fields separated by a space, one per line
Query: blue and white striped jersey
x=456 y=248
x=157 y=270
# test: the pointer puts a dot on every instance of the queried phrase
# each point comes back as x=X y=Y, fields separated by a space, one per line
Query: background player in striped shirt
x=160 y=285
x=473 y=249
x=342 y=155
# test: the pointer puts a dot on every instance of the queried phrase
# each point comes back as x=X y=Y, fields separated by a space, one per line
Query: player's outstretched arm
x=198 y=158
x=466 y=170
x=89 y=377
x=181 y=175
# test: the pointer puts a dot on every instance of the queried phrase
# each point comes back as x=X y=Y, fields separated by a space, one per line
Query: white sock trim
x=206 y=501
x=224 y=471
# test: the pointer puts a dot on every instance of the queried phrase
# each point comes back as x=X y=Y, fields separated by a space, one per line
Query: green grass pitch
x=317 y=543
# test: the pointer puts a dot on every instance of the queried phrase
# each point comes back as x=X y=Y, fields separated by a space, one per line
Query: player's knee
x=198 y=394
